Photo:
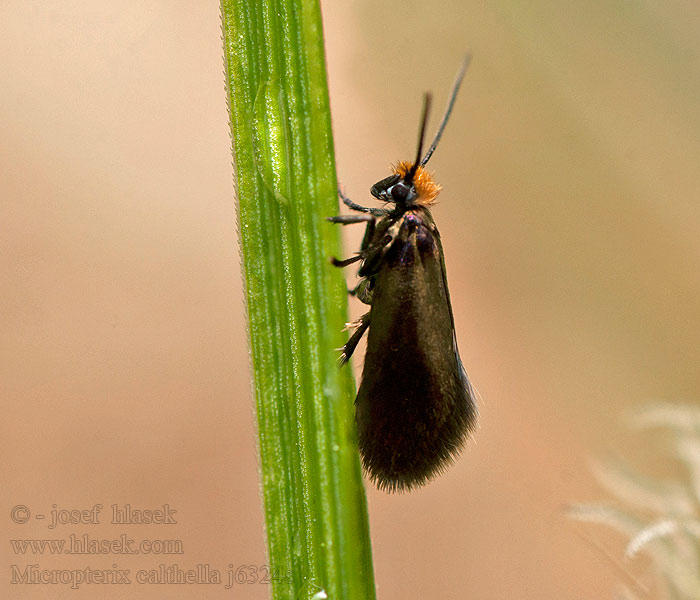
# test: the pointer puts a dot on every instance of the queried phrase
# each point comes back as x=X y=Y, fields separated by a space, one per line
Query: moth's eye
x=399 y=192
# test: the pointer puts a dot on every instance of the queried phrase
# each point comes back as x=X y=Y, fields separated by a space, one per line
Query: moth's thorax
x=405 y=236
x=411 y=220
x=403 y=221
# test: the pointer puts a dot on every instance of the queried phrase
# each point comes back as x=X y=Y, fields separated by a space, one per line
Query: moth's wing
x=415 y=406
x=465 y=378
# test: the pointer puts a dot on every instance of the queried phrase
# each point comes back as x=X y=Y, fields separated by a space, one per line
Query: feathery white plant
x=659 y=518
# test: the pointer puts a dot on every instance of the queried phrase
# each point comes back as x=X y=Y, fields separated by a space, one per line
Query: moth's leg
x=377 y=212
x=361 y=326
x=344 y=263
x=369 y=234
x=351 y=219
x=363 y=291
x=373 y=257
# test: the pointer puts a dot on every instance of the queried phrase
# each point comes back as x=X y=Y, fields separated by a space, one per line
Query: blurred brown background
x=570 y=222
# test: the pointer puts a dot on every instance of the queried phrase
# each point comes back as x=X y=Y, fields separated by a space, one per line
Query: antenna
x=448 y=110
x=427 y=99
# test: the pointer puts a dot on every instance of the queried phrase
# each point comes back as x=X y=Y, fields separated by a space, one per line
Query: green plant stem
x=314 y=501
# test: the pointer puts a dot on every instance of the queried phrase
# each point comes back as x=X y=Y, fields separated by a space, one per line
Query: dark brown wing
x=415 y=406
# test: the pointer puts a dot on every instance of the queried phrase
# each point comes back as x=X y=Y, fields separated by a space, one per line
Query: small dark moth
x=415 y=407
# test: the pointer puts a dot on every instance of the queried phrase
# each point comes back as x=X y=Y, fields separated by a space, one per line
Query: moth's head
x=409 y=185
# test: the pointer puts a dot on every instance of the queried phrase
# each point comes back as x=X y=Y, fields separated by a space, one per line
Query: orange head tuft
x=426 y=187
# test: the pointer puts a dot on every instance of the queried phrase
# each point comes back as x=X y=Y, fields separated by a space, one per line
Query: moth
x=415 y=407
